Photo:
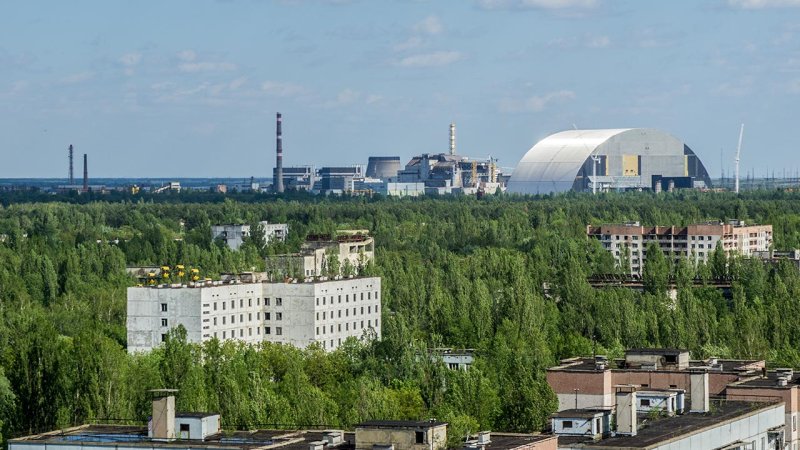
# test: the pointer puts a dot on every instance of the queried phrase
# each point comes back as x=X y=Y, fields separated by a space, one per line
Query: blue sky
x=191 y=87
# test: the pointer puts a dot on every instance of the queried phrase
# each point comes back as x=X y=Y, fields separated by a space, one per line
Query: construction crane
x=180 y=270
x=165 y=273
x=736 y=161
x=195 y=274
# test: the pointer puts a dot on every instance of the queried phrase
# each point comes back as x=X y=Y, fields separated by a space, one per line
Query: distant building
x=252 y=309
x=628 y=242
x=383 y=167
x=774 y=257
x=299 y=178
x=169 y=429
x=455 y=359
x=355 y=249
x=448 y=173
x=607 y=160
x=338 y=180
x=233 y=235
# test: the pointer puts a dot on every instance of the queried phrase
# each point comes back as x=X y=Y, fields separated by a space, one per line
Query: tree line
x=506 y=276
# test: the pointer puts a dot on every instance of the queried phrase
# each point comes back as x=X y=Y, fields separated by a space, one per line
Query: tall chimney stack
x=279 y=158
x=71 y=173
x=452 y=139
x=85 y=174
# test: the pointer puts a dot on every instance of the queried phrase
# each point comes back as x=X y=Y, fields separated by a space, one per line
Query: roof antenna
x=738 y=151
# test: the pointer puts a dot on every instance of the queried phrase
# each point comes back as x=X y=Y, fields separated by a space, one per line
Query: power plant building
x=383 y=167
x=353 y=249
x=298 y=178
x=608 y=160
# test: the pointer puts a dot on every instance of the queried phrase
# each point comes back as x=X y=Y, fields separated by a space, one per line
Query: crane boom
x=738 y=152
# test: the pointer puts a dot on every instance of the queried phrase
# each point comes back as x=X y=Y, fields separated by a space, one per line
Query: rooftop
x=664 y=429
x=400 y=424
x=739 y=366
x=508 y=441
x=115 y=434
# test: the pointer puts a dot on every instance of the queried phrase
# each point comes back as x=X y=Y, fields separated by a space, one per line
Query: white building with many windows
x=299 y=314
x=233 y=235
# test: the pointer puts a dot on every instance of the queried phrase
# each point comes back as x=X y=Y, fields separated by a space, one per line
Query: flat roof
x=115 y=436
x=579 y=413
x=508 y=441
x=668 y=428
x=770 y=381
x=581 y=364
x=400 y=424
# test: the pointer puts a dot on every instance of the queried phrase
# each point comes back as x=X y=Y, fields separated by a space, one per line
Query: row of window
x=346 y=327
x=326 y=316
x=267 y=301
x=329 y=301
x=267 y=316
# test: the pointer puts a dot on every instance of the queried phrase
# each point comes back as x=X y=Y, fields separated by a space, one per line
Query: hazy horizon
x=189 y=89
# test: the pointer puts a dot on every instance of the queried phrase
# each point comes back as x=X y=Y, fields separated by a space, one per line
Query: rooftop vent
x=484 y=437
x=784 y=375
x=316 y=445
x=600 y=362
x=333 y=437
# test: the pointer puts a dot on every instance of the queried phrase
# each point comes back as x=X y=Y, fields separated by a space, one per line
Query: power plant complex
x=608 y=160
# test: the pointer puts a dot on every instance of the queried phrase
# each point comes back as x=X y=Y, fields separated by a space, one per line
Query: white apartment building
x=233 y=235
x=628 y=242
x=298 y=314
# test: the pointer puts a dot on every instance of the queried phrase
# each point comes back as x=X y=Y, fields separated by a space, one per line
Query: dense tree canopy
x=506 y=276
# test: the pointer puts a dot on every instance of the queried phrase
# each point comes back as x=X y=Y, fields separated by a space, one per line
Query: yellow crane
x=195 y=275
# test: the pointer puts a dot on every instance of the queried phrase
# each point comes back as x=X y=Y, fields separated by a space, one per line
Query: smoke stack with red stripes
x=85 y=174
x=279 y=158
x=71 y=173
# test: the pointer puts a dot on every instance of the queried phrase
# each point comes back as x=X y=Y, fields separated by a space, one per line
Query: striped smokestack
x=85 y=174
x=71 y=173
x=279 y=158
x=452 y=139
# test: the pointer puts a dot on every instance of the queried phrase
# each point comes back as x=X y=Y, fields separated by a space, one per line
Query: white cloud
x=237 y=83
x=538 y=4
x=409 y=44
x=373 y=98
x=430 y=25
x=535 y=103
x=281 y=89
x=598 y=42
x=736 y=88
x=763 y=4
x=77 y=78
x=348 y=96
x=187 y=55
x=130 y=59
x=435 y=59
x=206 y=66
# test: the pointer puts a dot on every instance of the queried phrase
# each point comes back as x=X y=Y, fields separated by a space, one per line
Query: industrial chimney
x=279 y=159
x=71 y=173
x=452 y=139
x=85 y=174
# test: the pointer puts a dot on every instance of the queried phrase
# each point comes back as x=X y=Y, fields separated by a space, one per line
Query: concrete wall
x=402 y=438
x=144 y=321
x=594 y=388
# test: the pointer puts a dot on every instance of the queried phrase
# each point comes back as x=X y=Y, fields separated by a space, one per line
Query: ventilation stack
x=71 y=173
x=85 y=174
x=452 y=139
x=279 y=158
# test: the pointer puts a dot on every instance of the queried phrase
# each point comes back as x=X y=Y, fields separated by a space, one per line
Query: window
x=215 y=320
x=278 y=331
x=362 y=324
x=233 y=319
x=317 y=315
x=362 y=310
x=258 y=331
x=241 y=332
x=249 y=302
x=324 y=301
x=215 y=306
x=369 y=295
x=340 y=327
x=266 y=330
x=241 y=303
x=164 y=337
x=317 y=301
x=184 y=431
x=278 y=301
x=223 y=320
x=362 y=296
x=164 y=322
x=266 y=301
x=340 y=313
x=163 y=307
x=233 y=304
x=266 y=316
x=419 y=437
x=566 y=424
x=223 y=335
x=278 y=316
x=241 y=318
x=645 y=402
x=317 y=331
x=369 y=309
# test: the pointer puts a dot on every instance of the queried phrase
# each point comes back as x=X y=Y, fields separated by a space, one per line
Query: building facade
x=233 y=235
x=628 y=242
x=354 y=249
x=298 y=314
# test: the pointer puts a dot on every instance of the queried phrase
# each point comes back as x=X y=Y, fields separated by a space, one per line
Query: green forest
x=504 y=275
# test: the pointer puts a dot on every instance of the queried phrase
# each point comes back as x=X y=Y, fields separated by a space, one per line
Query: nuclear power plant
x=608 y=160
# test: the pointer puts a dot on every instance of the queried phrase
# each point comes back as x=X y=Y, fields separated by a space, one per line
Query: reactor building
x=608 y=160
